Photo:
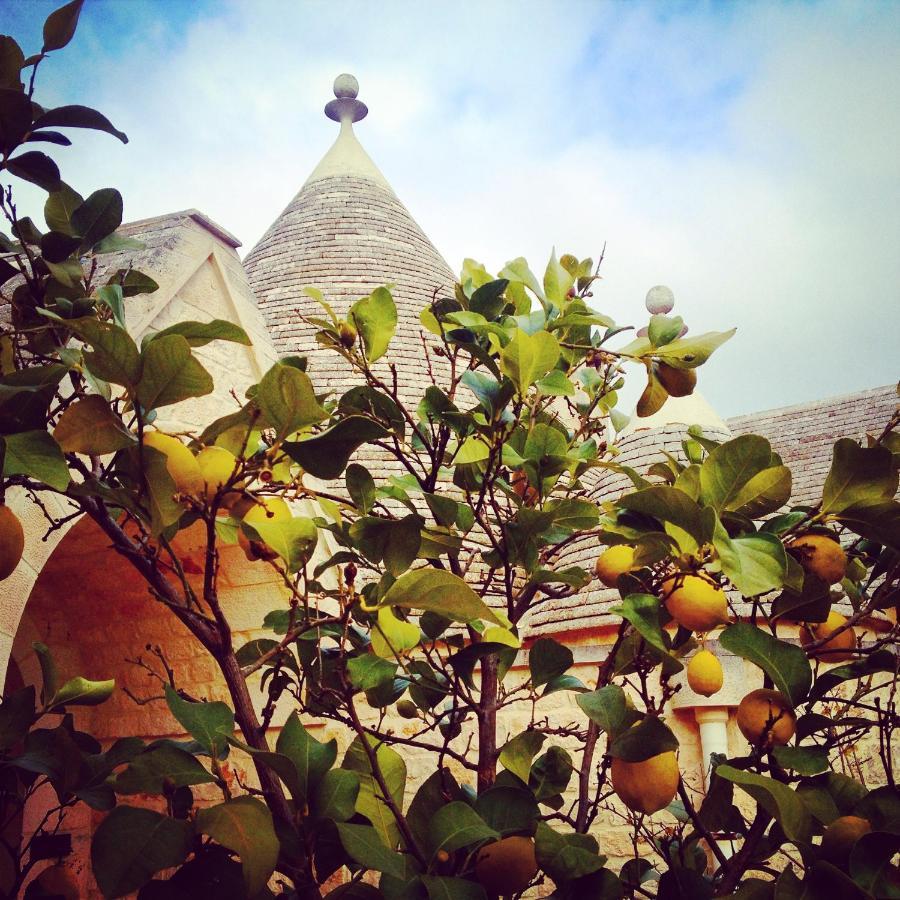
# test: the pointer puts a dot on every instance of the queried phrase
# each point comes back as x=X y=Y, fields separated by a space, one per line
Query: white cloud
x=747 y=155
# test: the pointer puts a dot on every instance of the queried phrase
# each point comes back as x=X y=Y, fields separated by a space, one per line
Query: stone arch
x=195 y=263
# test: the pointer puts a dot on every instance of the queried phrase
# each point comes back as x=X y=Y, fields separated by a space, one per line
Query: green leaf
x=198 y=334
x=115 y=356
x=37 y=168
x=163 y=508
x=210 y=724
x=294 y=539
x=90 y=426
x=566 y=856
x=804 y=760
x=439 y=591
x=786 y=664
x=100 y=215
x=170 y=373
x=457 y=825
x=730 y=466
x=642 y=610
x=326 y=454
x=607 y=707
x=49 y=676
x=764 y=493
x=360 y=487
x=548 y=659
x=75 y=116
x=245 y=826
x=82 y=692
x=879 y=521
x=488 y=299
x=158 y=769
x=392 y=636
x=683 y=884
x=664 y=329
x=779 y=800
x=672 y=507
x=36 y=454
x=688 y=353
x=556 y=384
x=557 y=281
x=369 y=802
x=287 y=400
x=442 y=888
x=858 y=475
x=755 y=564
x=395 y=542
x=871 y=864
x=375 y=318
x=334 y=795
x=550 y=774
x=879 y=661
x=58 y=209
x=131 y=845
x=60 y=25
x=573 y=514
x=508 y=810
x=518 y=752
x=650 y=737
x=365 y=847
x=312 y=758
x=17 y=714
x=368 y=672
x=526 y=358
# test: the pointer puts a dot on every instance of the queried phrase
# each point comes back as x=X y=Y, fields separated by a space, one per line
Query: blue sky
x=748 y=155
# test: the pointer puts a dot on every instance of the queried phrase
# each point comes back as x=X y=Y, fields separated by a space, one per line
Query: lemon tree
x=417 y=610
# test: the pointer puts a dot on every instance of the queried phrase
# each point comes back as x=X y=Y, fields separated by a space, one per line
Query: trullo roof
x=346 y=233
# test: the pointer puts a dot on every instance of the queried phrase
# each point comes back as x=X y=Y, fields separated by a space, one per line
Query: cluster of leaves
x=409 y=580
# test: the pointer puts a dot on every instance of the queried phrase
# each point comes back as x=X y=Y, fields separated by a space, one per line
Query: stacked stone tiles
x=804 y=434
x=346 y=235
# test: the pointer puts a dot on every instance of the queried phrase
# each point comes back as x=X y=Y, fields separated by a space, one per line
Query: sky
x=745 y=154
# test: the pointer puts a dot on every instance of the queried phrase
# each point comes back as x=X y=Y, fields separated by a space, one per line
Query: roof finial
x=345 y=107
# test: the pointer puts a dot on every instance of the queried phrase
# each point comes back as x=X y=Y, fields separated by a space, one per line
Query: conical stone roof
x=346 y=233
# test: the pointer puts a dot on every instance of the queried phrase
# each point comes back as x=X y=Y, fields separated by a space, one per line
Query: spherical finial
x=345 y=108
x=660 y=300
x=345 y=85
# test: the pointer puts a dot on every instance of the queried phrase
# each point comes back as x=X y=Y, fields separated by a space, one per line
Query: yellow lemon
x=180 y=462
x=840 y=836
x=613 y=562
x=821 y=555
x=766 y=718
x=704 y=673
x=835 y=649
x=216 y=465
x=268 y=509
x=647 y=786
x=695 y=601
x=12 y=541
x=506 y=866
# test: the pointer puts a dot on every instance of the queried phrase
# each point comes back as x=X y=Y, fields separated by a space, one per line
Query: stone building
x=345 y=232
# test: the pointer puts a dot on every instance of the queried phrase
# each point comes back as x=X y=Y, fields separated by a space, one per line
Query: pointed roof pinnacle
x=347 y=156
x=345 y=106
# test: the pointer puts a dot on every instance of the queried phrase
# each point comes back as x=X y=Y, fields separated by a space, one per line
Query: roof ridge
x=814 y=404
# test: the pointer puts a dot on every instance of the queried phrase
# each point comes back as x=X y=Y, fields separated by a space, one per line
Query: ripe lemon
x=180 y=462
x=647 y=786
x=506 y=866
x=269 y=509
x=12 y=541
x=216 y=465
x=766 y=718
x=524 y=491
x=696 y=602
x=840 y=836
x=704 y=673
x=677 y=382
x=833 y=650
x=820 y=555
x=613 y=562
